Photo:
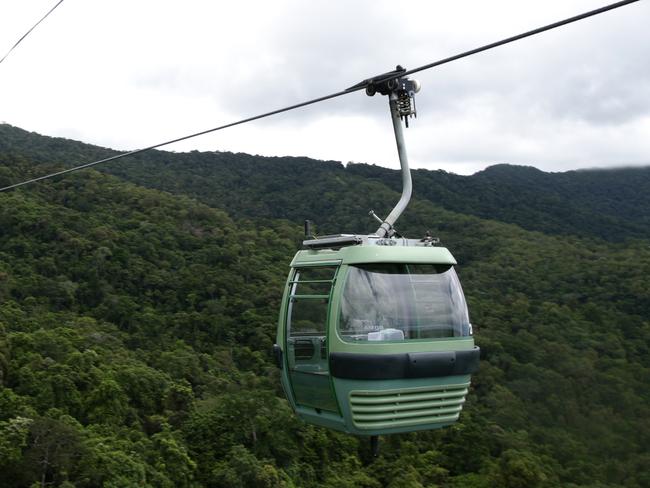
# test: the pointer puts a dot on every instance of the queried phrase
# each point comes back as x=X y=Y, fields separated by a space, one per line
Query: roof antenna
x=309 y=234
x=401 y=100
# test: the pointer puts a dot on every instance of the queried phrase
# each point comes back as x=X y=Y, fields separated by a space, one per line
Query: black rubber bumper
x=409 y=365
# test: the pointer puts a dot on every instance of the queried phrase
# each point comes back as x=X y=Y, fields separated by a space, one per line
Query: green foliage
x=136 y=326
x=13 y=438
x=570 y=203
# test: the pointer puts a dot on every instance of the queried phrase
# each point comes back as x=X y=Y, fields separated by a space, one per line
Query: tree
x=55 y=446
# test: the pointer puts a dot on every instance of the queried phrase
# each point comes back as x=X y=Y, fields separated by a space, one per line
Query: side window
x=308 y=316
x=309 y=300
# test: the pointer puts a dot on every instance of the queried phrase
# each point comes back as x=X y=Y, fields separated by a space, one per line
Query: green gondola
x=374 y=334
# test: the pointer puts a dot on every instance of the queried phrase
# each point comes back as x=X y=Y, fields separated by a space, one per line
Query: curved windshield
x=394 y=302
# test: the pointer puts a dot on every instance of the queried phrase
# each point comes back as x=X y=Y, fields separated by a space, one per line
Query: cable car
x=374 y=335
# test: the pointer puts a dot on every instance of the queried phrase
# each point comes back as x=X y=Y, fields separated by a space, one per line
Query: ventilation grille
x=407 y=407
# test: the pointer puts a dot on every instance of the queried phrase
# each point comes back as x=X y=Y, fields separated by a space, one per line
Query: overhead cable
x=518 y=37
x=30 y=30
x=360 y=86
x=155 y=146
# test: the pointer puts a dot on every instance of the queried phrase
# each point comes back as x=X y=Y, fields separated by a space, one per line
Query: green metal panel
x=376 y=254
x=313 y=390
x=316 y=258
x=393 y=406
x=395 y=347
x=396 y=254
x=321 y=417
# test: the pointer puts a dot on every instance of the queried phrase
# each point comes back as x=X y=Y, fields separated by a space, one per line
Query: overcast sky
x=129 y=74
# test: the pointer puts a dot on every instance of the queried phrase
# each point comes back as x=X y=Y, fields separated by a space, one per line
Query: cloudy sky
x=129 y=74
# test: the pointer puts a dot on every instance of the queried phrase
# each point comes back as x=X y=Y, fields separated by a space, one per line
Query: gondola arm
x=386 y=228
x=401 y=101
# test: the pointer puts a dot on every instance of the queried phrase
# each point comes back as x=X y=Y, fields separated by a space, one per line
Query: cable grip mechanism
x=402 y=89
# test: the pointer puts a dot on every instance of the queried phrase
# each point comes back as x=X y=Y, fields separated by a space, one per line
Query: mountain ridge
x=611 y=204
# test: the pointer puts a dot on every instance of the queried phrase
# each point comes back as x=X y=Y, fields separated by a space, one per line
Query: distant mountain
x=612 y=204
x=609 y=204
x=136 y=325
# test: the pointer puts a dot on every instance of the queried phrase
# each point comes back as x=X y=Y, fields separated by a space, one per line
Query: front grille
x=407 y=407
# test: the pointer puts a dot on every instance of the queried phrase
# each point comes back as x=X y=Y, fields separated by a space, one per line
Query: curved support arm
x=407 y=186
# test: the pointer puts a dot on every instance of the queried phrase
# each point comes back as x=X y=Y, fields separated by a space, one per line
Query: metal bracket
x=332 y=241
x=375 y=216
x=380 y=83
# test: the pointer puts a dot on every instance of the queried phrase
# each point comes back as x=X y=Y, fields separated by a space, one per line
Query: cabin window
x=398 y=302
x=309 y=301
x=313 y=281
x=308 y=317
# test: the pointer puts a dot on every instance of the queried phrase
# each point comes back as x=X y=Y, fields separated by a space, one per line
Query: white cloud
x=131 y=74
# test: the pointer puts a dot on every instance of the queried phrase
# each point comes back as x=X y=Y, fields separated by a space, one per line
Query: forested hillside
x=136 y=326
x=609 y=204
x=574 y=202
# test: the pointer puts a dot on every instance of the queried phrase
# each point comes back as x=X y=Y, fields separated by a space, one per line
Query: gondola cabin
x=374 y=336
